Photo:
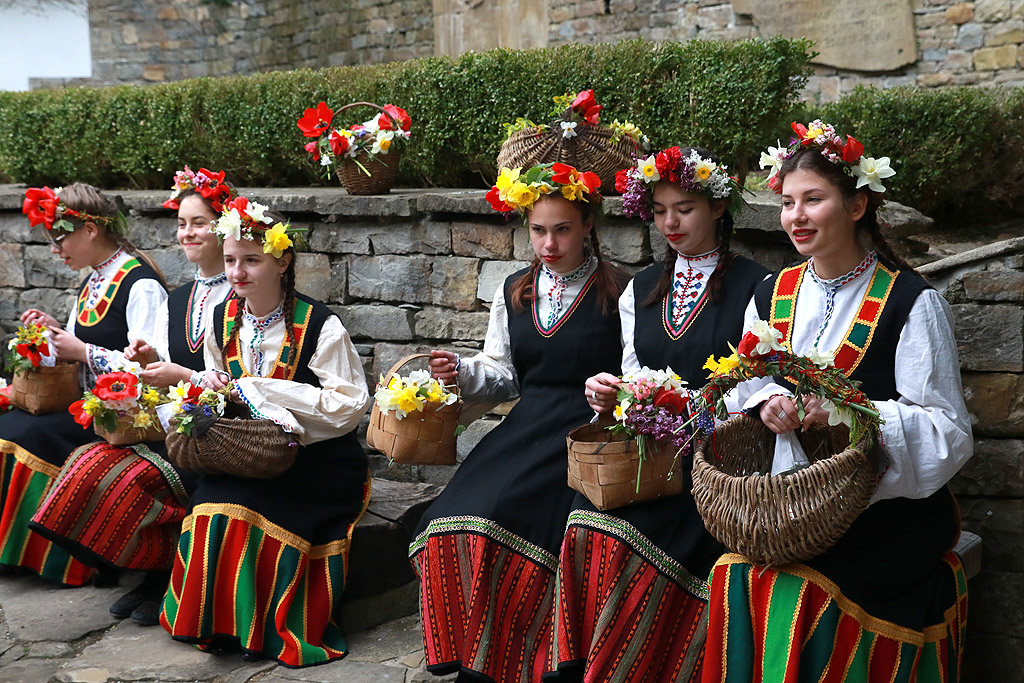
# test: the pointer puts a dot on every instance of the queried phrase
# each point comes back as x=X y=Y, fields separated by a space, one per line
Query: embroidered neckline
x=281 y=368
x=688 y=295
x=548 y=331
x=196 y=332
x=211 y=281
x=87 y=315
x=261 y=325
x=830 y=287
x=699 y=257
x=559 y=283
x=113 y=257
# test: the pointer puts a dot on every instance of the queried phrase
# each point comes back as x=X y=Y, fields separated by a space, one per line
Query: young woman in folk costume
x=888 y=601
x=487 y=549
x=116 y=304
x=631 y=588
x=121 y=508
x=260 y=565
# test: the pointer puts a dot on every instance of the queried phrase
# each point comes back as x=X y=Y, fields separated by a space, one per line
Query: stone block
x=990 y=337
x=313 y=275
x=172 y=263
x=9 y=312
x=991 y=656
x=995 y=401
x=398 y=203
x=622 y=243
x=996 y=607
x=960 y=13
x=15 y=228
x=396 y=639
x=453 y=282
x=339 y=282
x=43 y=269
x=35 y=610
x=934 y=80
x=56 y=302
x=443 y=323
x=992 y=10
x=995 y=285
x=30 y=670
x=989 y=58
x=522 y=249
x=424 y=237
x=403 y=279
x=995 y=469
x=151 y=232
x=457 y=201
x=482 y=240
x=376 y=322
x=12 y=265
x=1000 y=523
x=340 y=672
x=492 y=276
x=1005 y=33
x=970 y=37
x=154 y=73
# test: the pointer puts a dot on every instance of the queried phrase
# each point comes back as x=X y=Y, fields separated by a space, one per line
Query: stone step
x=969 y=550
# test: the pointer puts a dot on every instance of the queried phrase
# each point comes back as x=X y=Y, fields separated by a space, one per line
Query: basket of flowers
x=415 y=418
x=797 y=514
x=36 y=387
x=365 y=155
x=121 y=409
x=204 y=437
x=575 y=137
x=639 y=455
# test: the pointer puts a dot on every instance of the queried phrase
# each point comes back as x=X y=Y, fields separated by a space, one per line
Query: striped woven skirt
x=116 y=506
x=32 y=450
x=796 y=625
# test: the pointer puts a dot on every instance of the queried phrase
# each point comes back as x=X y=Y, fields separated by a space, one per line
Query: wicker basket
x=255 y=449
x=591 y=149
x=46 y=390
x=603 y=467
x=782 y=519
x=383 y=169
x=126 y=435
x=423 y=438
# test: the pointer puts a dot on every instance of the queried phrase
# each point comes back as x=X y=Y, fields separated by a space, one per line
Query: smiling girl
x=116 y=304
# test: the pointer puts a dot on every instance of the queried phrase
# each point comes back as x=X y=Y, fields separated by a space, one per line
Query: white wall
x=42 y=42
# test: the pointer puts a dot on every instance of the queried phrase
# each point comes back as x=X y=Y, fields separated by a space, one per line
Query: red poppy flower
x=400 y=115
x=32 y=352
x=672 y=400
x=747 y=345
x=216 y=179
x=314 y=149
x=801 y=133
x=667 y=162
x=563 y=174
x=591 y=180
x=5 y=399
x=240 y=203
x=171 y=204
x=496 y=203
x=116 y=386
x=315 y=121
x=217 y=196
x=853 y=150
x=622 y=181
x=78 y=412
x=339 y=143
x=40 y=206
x=586 y=106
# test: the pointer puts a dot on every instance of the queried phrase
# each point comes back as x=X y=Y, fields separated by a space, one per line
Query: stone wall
x=150 y=41
x=417 y=269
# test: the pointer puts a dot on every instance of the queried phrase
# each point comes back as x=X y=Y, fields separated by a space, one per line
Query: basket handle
x=407 y=359
x=397 y=127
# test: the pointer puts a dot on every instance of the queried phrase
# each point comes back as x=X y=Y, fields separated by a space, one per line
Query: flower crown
x=209 y=185
x=848 y=155
x=693 y=173
x=517 y=191
x=246 y=220
x=43 y=206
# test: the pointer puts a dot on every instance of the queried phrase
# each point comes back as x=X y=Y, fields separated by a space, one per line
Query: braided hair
x=813 y=161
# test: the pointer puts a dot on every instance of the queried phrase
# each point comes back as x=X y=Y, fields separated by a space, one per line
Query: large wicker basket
x=423 y=438
x=383 y=169
x=256 y=449
x=603 y=467
x=46 y=390
x=782 y=519
x=126 y=435
x=591 y=149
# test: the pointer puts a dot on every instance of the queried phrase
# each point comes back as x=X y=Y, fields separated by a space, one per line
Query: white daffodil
x=871 y=171
x=382 y=143
x=125 y=365
x=703 y=169
x=420 y=378
x=837 y=415
x=773 y=159
x=770 y=338
x=648 y=169
x=371 y=126
x=255 y=210
x=325 y=160
x=568 y=129
x=822 y=359
x=620 y=410
x=229 y=225
x=179 y=392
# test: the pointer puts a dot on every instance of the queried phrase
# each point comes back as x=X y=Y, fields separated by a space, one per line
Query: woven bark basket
x=255 y=449
x=383 y=169
x=422 y=438
x=782 y=519
x=591 y=149
x=126 y=435
x=46 y=390
x=603 y=467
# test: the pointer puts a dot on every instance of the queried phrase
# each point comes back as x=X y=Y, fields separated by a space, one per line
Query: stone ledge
x=969 y=551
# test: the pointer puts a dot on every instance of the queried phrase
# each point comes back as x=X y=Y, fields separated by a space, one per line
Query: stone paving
x=50 y=634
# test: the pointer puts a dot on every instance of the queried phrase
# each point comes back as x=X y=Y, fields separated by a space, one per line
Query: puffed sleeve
x=748 y=395
x=927 y=431
x=144 y=301
x=161 y=334
x=489 y=377
x=627 y=316
x=313 y=413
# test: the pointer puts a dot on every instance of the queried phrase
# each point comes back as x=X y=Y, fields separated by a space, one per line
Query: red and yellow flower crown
x=518 y=191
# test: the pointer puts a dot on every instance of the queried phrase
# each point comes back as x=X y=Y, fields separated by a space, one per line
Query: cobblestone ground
x=66 y=635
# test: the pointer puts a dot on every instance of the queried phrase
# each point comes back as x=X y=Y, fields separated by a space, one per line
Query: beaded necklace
x=830 y=287
x=97 y=278
x=558 y=285
x=687 y=285
x=259 y=326
x=195 y=322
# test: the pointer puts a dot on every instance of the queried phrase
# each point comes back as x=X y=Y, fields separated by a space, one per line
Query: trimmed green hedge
x=956 y=151
x=721 y=95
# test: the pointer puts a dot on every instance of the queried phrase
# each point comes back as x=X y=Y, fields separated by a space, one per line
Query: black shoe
x=107 y=578
x=148 y=613
x=251 y=656
x=151 y=588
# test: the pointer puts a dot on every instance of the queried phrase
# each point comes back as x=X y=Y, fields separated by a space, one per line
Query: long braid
x=288 y=284
x=664 y=284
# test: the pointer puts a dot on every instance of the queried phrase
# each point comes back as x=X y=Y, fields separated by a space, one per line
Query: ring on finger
x=782 y=415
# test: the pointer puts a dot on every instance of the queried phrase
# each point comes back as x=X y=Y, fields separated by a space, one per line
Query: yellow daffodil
x=408 y=400
x=92 y=406
x=143 y=420
x=151 y=398
x=435 y=392
x=506 y=179
x=727 y=364
x=523 y=195
x=711 y=365
x=275 y=240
